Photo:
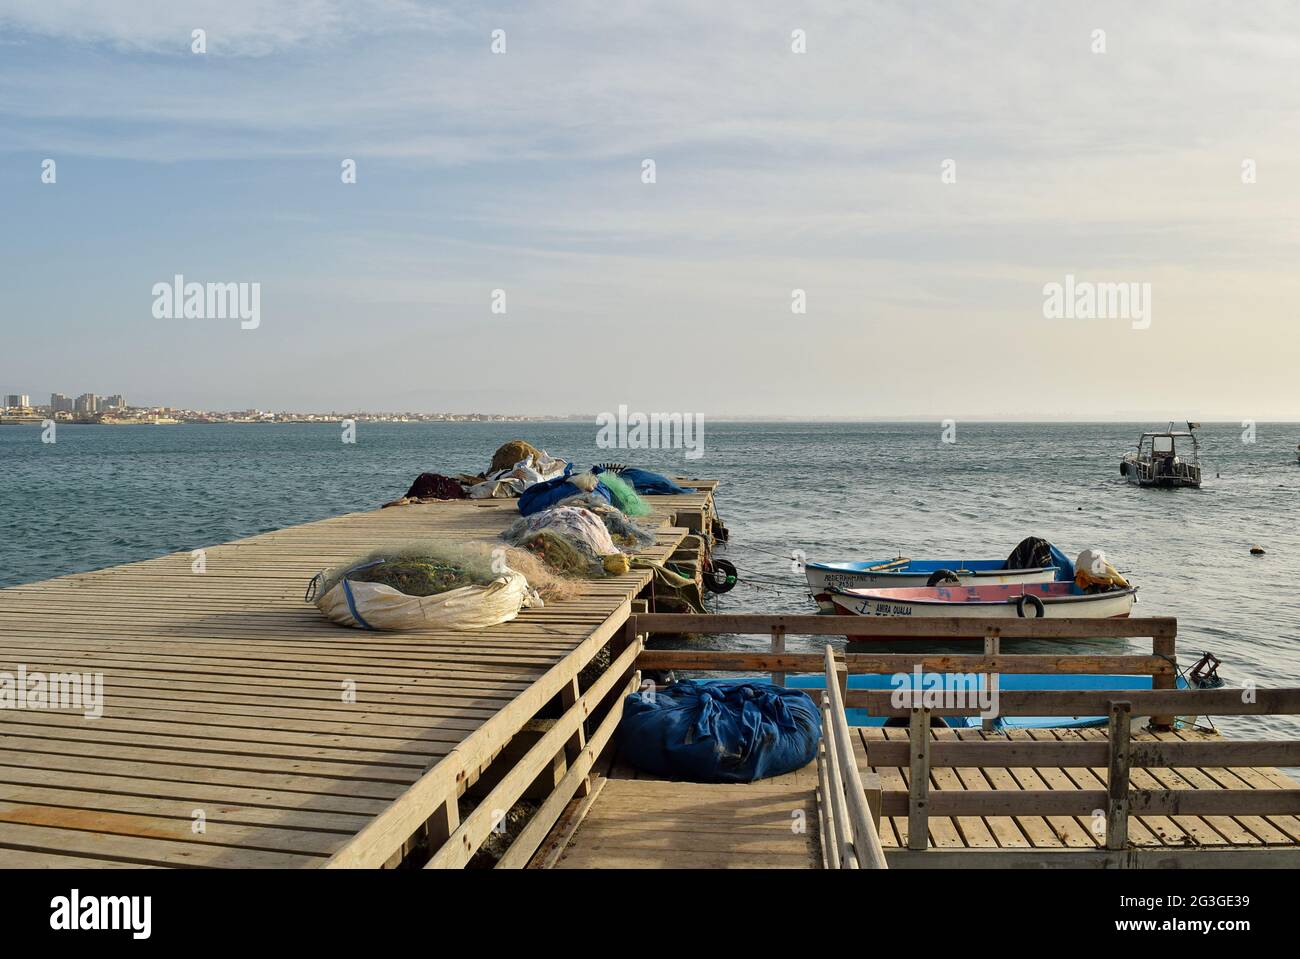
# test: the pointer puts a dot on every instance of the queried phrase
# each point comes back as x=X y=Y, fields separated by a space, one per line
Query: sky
x=921 y=172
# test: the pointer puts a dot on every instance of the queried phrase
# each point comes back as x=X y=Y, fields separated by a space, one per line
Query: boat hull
x=1145 y=473
x=986 y=602
x=824 y=578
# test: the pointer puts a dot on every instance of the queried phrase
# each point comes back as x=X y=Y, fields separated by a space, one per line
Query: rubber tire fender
x=1039 y=609
x=726 y=583
x=941 y=576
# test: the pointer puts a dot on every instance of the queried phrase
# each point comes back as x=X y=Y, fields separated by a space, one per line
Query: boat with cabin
x=1170 y=458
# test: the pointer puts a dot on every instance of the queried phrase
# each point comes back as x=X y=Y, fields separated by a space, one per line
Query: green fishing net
x=624 y=495
x=415 y=577
x=423 y=569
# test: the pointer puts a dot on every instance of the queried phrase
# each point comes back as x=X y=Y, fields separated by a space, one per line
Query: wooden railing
x=424 y=824
x=1118 y=754
x=1161 y=665
x=921 y=753
x=849 y=817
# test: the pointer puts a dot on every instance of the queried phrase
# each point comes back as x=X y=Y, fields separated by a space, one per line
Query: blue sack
x=719 y=731
x=644 y=481
x=542 y=496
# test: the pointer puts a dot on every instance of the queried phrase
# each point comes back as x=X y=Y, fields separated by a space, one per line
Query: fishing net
x=624 y=496
x=582 y=526
x=417 y=569
x=571 y=540
x=415 y=576
x=626 y=534
x=562 y=554
x=424 y=586
x=511 y=453
x=426 y=569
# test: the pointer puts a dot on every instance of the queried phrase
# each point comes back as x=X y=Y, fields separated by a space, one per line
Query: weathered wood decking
x=638 y=820
x=227 y=738
x=645 y=824
x=1147 y=834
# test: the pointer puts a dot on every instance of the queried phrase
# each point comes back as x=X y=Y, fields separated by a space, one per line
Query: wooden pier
x=242 y=729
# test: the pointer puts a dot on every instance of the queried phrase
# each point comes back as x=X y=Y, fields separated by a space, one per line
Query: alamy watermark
x=940 y=691
x=208 y=301
x=651 y=431
x=1086 y=300
x=38 y=690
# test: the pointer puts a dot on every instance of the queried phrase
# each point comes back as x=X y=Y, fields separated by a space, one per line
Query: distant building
x=18 y=400
x=114 y=402
x=87 y=403
x=60 y=403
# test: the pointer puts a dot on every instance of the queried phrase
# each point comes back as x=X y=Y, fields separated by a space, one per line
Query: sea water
x=103 y=495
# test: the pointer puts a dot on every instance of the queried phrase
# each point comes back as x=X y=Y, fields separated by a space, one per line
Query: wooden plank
x=1006 y=830
x=937 y=628
x=918 y=811
x=1117 y=801
x=973 y=829
x=1068 y=831
x=223 y=693
x=651 y=825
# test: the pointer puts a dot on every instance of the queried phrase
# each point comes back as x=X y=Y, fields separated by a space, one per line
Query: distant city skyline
x=1021 y=212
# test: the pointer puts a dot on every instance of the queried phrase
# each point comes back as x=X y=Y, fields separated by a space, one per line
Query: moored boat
x=1026 y=600
x=1033 y=561
x=882 y=574
x=1170 y=459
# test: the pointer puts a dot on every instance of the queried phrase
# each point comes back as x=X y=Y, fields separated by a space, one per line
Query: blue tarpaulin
x=645 y=481
x=719 y=732
x=542 y=496
x=1064 y=566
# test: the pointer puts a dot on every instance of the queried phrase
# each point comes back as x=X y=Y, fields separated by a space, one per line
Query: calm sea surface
x=107 y=495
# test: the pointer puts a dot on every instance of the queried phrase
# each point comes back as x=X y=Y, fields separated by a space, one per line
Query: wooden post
x=778 y=647
x=1117 y=776
x=918 y=813
x=992 y=648
x=623 y=638
x=875 y=795
x=578 y=741
x=1166 y=646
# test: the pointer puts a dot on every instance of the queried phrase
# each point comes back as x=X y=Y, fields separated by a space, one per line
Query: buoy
x=1257 y=551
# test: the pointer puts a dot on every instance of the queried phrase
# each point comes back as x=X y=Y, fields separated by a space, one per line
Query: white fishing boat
x=904 y=573
x=1171 y=458
x=1027 y=601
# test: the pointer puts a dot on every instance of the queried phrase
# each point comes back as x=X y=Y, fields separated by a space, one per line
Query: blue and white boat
x=824 y=578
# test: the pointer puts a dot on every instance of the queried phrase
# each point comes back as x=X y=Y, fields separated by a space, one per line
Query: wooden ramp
x=239 y=727
x=648 y=824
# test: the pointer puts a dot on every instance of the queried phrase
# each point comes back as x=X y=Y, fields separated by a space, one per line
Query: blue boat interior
x=1064 y=567
x=1007 y=682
